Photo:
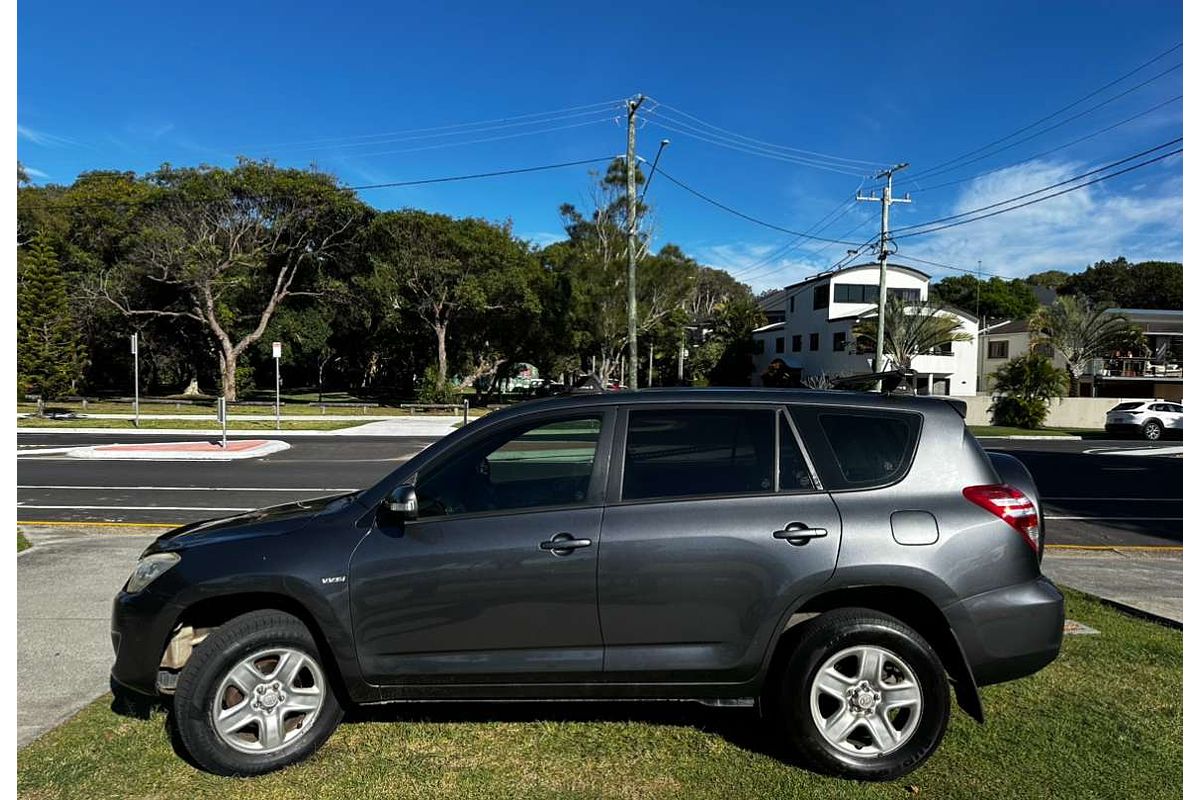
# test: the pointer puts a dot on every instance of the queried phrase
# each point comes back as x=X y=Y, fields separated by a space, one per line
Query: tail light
x=1009 y=505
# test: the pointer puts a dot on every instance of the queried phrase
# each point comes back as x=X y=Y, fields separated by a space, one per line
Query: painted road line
x=184 y=488
x=1140 y=451
x=1104 y=499
x=1139 y=547
x=1121 y=519
x=134 y=508
x=105 y=524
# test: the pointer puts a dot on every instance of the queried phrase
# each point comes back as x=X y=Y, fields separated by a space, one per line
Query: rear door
x=717 y=522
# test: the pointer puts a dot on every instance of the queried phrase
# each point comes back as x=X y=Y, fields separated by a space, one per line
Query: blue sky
x=132 y=85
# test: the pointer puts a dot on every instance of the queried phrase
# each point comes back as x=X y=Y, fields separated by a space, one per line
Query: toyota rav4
x=842 y=560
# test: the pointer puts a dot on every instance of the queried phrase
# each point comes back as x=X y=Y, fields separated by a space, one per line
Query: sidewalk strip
x=138 y=508
x=78 y=524
x=187 y=488
x=1117 y=547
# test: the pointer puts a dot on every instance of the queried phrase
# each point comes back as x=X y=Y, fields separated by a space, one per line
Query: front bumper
x=1011 y=632
x=141 y=627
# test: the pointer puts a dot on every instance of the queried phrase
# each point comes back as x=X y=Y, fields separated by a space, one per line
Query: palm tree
x=1080 y=331
x=911 y=329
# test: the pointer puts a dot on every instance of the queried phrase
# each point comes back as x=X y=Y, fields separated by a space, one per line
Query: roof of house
x=830 y=273
x=774 y=326
x=1012 y=326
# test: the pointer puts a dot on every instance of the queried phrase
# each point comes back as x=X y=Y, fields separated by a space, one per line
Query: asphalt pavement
x=1095 y=492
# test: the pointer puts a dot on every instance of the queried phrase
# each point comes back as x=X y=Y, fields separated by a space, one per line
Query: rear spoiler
x=896 y=381
x=959 y=405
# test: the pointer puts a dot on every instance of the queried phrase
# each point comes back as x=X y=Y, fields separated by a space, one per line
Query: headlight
x=148 y=568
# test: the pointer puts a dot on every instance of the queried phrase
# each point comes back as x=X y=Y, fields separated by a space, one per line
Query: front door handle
x=564 y=543
x=798 y=533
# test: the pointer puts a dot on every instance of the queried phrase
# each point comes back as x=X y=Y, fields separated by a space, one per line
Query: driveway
x=65 y=585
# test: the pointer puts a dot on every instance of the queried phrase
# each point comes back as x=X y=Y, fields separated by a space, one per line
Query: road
x=1095 y=492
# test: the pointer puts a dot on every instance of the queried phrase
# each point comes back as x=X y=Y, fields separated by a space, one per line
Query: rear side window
x=858 y=448
x=689 y=453
x=1126 y=406
x=869 y=450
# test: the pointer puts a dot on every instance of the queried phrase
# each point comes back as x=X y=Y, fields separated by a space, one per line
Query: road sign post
x=276 y=352
x=133 y=348
x=223 y=418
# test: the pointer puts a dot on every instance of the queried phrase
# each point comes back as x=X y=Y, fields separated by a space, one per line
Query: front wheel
x=863 y=696
x=254 y=696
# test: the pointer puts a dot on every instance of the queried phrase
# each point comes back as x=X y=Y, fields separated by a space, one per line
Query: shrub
x=1025 y=386
x=430 y=390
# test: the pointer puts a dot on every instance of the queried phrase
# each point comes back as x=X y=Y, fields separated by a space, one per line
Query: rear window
x=1126 y=406
x=869 y=449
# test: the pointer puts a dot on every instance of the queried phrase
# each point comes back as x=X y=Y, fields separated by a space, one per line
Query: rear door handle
x=798 y=533
x=563 y=543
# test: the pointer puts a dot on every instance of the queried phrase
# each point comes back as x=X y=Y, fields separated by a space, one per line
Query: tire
x=289 y=707
x=1152 y=431
x=843 y=640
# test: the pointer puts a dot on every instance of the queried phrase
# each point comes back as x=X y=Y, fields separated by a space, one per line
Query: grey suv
x=841 y=559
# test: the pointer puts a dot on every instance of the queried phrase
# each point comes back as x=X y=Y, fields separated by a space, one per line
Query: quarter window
x=545 y=465
x=687 y=453
x=869 y=449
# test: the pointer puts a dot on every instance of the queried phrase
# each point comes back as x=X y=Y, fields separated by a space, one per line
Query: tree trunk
x=229 y=376
x=439 y=328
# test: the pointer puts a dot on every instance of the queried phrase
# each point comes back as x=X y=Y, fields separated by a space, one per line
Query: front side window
x=688 y=453
x=547 y=464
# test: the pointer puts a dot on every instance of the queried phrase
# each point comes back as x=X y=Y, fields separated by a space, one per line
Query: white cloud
x=36 y=173
x=1068 y=232
x=44 y=139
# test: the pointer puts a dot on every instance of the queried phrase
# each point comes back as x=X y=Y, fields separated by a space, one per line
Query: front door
x=495 y=582
x=719 y=525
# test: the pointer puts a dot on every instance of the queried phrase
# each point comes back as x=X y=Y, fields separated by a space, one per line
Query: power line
x=1044 y=153
x=597 y=115
x=536 y=132
x=849 y=255
x=1146 y=163
x=360 y=188
x=553 y=113
x=1067 y=107
x=816 y=227
x=976 y=271
x=653 y=118
x=744 y=215
x=873 y=165
x=1104 y=168
x=1059 y=124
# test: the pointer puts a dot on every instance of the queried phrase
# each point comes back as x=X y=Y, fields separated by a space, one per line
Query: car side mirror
x=402 y=501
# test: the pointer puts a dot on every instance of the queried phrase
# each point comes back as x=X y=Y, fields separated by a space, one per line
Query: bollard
x=466 y=409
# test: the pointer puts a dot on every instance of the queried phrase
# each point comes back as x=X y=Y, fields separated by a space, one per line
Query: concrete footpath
x=1148 y=580
x=65 y=586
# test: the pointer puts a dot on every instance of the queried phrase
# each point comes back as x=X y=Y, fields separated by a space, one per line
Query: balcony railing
x=1136 y=368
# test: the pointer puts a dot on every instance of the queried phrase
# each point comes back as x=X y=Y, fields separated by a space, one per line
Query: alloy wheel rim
x=866 y=701
x=1153 y=431
x=268 y=700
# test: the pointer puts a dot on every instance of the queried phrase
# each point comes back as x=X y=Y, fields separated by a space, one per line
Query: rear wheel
x=863 y=696
x=1152 y=430
x=254 y=696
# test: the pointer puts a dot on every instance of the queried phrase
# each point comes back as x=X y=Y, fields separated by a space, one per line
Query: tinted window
x=699 y=452
x=870 y=450
x=1172 y=406
x=793 y=470
x=1118 y=406
x=547 y=465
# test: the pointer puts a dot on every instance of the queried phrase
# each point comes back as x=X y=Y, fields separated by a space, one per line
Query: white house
x=815 y=338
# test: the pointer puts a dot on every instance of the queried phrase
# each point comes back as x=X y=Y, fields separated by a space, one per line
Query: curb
x=103 y=452
x=1046 y=438
x=1134 y=611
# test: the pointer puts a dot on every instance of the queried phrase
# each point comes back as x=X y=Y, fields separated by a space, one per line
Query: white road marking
x=1108 y=499
x=188 y=488
x=1127 y=519
x=1139 y=451
x=140 y=508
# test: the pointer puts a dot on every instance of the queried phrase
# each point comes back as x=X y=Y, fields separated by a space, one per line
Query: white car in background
x=1150 y=419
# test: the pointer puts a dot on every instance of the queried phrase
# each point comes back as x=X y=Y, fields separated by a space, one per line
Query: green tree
x=1080 y=331
x=49 y=358
x=224 y=249
x=1050 y=279
x=911 y=329
x=996 y=298
x=734 y=322
x=1147 y=284
x=1025 y=385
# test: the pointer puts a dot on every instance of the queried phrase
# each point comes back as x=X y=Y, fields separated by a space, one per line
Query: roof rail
x=896 y=381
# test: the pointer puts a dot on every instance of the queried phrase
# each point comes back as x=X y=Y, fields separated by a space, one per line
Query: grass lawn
x=22 y=542
x=317 y=424
x=1000 y=430
x=1104 y=720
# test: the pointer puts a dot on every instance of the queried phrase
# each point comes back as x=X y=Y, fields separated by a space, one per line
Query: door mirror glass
x=403 y=501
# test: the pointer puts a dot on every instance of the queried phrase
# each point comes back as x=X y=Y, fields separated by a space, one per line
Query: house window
x=792 y=303
x=760 y=346
x=998 y=349
x=796 y=343
x=944 y=349
x=869 y=293
x=814 y=342
x=821 y=297
x=839 y=342
x=778 y=344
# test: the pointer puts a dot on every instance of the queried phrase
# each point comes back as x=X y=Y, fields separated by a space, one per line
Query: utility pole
x=885 y=203
x=631 y=245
